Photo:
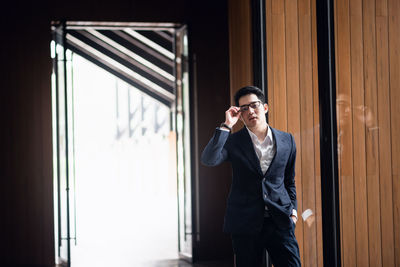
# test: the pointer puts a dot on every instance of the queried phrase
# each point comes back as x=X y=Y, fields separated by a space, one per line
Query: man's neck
x=260 y=131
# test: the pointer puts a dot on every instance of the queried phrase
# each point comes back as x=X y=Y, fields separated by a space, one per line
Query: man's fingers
x=232 y=115
x=235 y=111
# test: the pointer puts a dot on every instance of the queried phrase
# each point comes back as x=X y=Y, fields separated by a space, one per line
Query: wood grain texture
x=279 y=62
x=293 y=101
x=373 y=188
x=367 y=66
x=357 y=85
x=345 y=147
x=385 y=150
x=307 y=128
x=394 y=83
x=293 y=94
x=374 y=57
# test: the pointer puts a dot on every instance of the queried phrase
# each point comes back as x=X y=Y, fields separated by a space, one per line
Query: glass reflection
x=308 y=217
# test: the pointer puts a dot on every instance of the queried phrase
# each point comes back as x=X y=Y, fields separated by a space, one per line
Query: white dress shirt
x=265 y=150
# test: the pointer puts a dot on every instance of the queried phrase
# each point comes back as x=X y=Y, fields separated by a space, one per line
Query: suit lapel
x=247 y=147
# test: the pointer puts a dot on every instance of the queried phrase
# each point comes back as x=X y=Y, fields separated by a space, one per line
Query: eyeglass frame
x=244 y=108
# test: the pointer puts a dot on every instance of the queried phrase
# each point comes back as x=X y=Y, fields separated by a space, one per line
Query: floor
x=181 y=263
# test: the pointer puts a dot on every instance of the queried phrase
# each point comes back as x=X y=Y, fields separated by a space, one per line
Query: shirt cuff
x=223 y=129
x=294 y=213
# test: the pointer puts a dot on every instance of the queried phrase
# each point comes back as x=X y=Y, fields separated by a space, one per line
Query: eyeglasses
x=253 y=105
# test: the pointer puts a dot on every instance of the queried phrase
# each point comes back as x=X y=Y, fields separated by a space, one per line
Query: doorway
x=120 y=134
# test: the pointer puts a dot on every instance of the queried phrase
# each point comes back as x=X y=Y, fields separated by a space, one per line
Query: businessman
x=261 y=210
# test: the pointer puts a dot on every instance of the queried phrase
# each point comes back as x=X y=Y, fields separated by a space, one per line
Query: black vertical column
x=328 y=133
x=259 y=45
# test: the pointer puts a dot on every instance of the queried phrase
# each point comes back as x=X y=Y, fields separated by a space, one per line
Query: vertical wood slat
x=293 y=101
x=306 y=122
x=394 y=70
x=307 y=127
x=384 y=144
x=360 y=183
x=345 y=141
x=279 y=62
x=373 y=189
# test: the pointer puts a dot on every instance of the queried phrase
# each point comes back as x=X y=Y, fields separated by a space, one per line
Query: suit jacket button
x=265 y=195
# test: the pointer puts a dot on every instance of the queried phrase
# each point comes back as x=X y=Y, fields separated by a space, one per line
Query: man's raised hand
x=232 y=115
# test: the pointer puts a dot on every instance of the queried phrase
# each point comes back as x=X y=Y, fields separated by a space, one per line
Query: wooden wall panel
x=385 y=170
x=293 y=101
x=345 y=154
x=307 y=128
x=360 y=183
x=367 y=55
x=373 y=189
x=394 y=91
x=368 y=81
x=278 y=101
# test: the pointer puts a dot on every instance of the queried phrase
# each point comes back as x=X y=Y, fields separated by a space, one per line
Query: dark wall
x=26 y=188
x=210 y=44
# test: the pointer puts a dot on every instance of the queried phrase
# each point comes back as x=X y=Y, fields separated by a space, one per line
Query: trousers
x=281 y=245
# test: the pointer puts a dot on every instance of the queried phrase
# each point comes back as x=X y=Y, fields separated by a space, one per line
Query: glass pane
x=367 y=134
x=62 y=155
x=183 y=146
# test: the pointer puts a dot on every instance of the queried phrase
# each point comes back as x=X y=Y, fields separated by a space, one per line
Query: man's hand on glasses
x=232 y=115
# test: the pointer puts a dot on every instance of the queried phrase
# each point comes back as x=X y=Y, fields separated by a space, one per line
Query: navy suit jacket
x=250 y=192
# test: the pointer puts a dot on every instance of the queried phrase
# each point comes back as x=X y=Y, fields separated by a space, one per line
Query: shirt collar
x=254 y=137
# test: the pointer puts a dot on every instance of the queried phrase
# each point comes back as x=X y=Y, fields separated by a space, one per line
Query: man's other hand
x=294 y=219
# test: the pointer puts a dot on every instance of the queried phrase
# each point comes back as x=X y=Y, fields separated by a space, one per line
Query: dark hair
x=249 y=90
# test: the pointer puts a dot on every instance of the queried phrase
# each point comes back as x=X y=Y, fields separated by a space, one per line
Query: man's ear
x=265 y=108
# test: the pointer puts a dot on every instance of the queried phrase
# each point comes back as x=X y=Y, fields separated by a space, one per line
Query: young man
x=261 y=207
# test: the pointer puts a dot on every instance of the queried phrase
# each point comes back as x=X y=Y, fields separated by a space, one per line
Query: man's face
x=253 y=113
x=343 y=108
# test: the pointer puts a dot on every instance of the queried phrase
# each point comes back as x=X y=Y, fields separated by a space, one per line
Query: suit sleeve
x=290 y=184
x=215 y=153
